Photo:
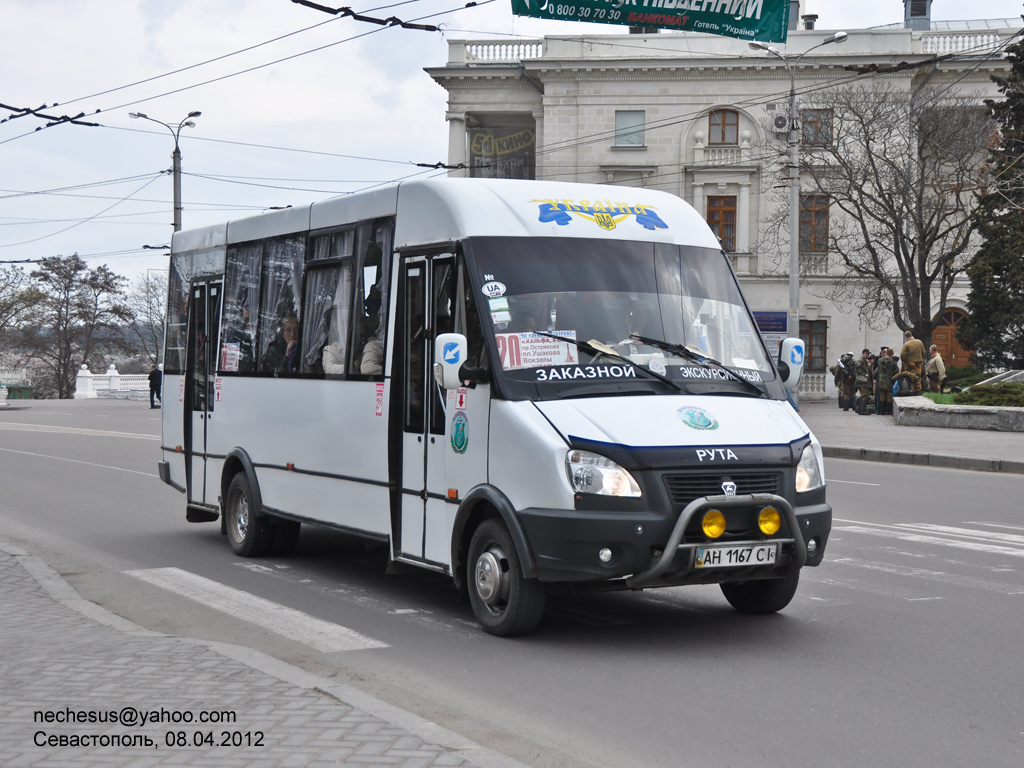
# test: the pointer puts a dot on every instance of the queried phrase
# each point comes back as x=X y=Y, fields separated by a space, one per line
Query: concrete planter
x=922 y=412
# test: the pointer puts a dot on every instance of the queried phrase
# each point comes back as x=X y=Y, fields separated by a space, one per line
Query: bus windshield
x=563 y=315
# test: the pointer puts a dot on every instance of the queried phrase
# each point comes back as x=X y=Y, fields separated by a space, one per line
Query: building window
x=816 y=127
x=723 y=127
x=814 y=334
x=813 y=223
x=629 y=128
x=722 y=219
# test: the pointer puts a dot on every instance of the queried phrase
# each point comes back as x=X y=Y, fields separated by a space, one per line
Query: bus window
x=281 y=305
x=328 y=308
x=370 y=311
x=241 y=308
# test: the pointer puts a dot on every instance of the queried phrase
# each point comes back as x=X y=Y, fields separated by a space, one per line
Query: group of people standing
x=867 y=385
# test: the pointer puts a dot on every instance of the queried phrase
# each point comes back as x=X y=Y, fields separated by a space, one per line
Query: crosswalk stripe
x=288 y=622
x=921 y=538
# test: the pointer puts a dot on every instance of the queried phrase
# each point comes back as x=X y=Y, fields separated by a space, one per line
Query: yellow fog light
x=769 y=521
x=714 y=524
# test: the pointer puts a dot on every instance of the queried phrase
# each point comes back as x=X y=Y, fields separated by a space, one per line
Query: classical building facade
x=706 y=118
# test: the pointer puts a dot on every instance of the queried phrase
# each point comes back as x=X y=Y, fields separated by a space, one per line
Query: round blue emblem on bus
x=696 y=418
x=460 y=434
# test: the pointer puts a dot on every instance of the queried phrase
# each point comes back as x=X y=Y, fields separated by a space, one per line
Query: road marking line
x=851 y=482
x=994 y=525
x=919 y=538
x=76 y=431
x=940 y=576
x=76 y=461
x=967 y=533
x=295 y=625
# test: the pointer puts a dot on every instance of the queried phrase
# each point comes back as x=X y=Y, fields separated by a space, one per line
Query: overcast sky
x=322 y=106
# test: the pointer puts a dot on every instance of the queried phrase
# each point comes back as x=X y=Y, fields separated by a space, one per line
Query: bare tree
x=16 y=296
x=77 y=318
x=147 y=300
x=899 y=172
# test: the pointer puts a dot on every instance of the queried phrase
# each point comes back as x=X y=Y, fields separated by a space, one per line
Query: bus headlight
x=808 y=472
x=593 y=473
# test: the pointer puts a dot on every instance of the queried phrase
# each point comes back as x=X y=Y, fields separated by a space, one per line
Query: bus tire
x=286 y=536
x=761 y=596
x=250 y=535
x=504 y=602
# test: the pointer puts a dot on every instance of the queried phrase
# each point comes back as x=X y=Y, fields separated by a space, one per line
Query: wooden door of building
x=944 y=337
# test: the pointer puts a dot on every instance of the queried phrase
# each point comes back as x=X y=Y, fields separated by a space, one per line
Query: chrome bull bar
x=673 y=547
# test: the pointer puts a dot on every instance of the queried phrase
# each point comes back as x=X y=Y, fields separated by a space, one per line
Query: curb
x=62 y=592
x=924 y=459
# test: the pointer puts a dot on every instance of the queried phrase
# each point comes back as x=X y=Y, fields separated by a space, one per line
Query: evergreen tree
x=995 y=328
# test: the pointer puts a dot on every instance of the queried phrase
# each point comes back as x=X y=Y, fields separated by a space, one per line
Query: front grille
x=683 y=489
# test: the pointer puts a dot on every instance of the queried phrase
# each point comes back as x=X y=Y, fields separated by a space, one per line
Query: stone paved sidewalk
x=56 y=664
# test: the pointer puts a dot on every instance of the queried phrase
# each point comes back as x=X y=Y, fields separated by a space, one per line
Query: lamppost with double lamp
x=175 y=157
x=793 y=317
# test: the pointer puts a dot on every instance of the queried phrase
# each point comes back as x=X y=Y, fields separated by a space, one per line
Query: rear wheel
x=249 y=535
x=504 y=602
x=761 y=596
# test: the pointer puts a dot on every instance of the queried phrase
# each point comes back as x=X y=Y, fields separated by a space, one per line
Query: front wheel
x=504 y=602
x=761 y=596
x=249 y=535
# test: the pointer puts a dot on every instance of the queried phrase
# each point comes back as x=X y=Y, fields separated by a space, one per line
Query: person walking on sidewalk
x=887 y=368
x=936 y=370
x=155 y=380
x=912 y=359
x=845 y=379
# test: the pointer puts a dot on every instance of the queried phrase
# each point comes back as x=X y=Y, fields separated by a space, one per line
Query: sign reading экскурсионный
x=764 y=20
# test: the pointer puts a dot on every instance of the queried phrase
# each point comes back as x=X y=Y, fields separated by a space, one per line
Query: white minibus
x=528 y=386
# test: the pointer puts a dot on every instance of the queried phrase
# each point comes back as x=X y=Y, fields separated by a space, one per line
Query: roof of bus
x=449 y=209
x=441 y=210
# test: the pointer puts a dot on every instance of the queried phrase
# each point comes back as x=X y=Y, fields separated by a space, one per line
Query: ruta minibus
x=527 y=386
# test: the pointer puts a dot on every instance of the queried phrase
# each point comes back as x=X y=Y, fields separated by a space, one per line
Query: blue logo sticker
x=697 y=418
x=460 y=432
x=450 y=353
x=603 y=213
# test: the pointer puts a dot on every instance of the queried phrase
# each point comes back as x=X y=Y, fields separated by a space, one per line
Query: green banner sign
x=764 y=20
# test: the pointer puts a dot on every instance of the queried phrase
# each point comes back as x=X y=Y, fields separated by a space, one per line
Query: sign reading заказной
x=764 y=20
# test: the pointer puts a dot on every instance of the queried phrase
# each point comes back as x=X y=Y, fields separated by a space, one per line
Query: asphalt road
x=903 y=649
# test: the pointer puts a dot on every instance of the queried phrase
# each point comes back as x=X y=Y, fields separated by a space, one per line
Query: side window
x=816 y=127
x=328 y=304
x=281 y=307
x=370 y=307
x=722 y=220
x=177 y=316
x=629 y=128
x=241 y=308
x=723 y=127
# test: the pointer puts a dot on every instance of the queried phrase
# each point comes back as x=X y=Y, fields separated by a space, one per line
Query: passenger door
x=200 y=392
x=427 y=302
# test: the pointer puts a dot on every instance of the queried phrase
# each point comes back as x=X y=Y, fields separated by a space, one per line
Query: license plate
x=732 y=557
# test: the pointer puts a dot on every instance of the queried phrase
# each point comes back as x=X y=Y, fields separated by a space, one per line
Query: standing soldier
x=845 y=380
x=912 y=359
x=865 y=382
x=936 y=370
x=886 y=370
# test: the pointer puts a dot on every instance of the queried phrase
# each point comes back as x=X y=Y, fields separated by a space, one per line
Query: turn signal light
x=769 y=521
x=714 y=524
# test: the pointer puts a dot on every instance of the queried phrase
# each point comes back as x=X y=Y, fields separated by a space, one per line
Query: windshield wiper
x=701 y=359
x=602 y=349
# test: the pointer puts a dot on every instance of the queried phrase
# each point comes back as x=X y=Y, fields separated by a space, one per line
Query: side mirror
x=449 y=356
x=791 y=362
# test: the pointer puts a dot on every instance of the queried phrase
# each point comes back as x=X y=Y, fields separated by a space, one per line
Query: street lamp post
x=175 y=157
x=793 y=316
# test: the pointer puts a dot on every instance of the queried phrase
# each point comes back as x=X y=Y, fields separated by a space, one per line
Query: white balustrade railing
x=132 y=386
x=504 y=52
x=959 y=42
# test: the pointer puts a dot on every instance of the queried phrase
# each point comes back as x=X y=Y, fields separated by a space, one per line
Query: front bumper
x=654 y=549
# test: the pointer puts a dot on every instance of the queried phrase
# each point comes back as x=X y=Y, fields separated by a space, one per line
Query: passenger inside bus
x=282 y=354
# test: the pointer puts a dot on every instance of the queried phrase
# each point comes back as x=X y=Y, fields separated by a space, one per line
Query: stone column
x=83 y=384
x=457 y=142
